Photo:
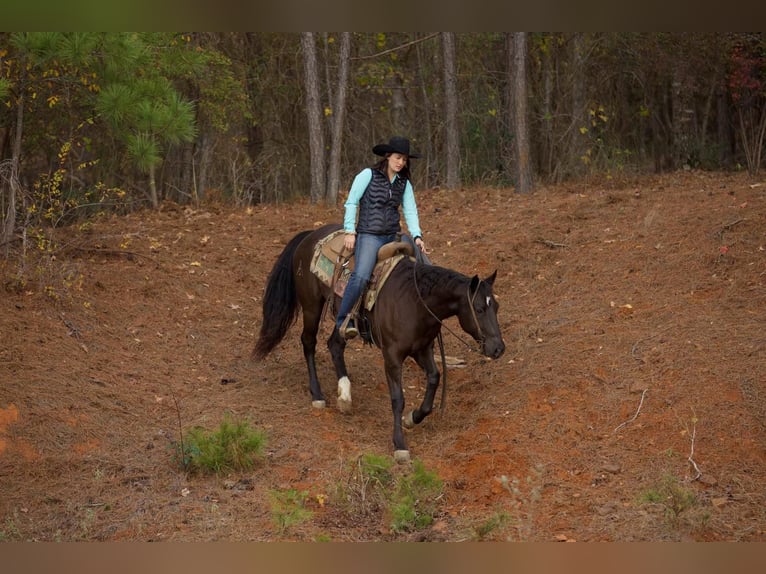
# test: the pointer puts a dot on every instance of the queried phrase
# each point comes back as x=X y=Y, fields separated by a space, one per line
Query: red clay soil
x=630 y=404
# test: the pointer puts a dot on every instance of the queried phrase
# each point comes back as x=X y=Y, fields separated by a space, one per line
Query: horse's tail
x=280 y=302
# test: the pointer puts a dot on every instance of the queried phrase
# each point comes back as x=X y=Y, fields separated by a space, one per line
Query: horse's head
x=478 y=316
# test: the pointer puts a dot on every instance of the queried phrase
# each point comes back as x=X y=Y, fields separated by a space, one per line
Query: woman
x=377 y=192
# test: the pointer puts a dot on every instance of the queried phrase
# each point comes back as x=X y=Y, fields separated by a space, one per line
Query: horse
x=403 y=322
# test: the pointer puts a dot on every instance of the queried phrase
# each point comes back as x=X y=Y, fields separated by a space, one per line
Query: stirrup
x=348 y=328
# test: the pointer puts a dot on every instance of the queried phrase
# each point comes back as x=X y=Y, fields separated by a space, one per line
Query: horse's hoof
x=344 y=395
x=402 y=456
x=318 y=404
x=344 y=406
x=408 y=421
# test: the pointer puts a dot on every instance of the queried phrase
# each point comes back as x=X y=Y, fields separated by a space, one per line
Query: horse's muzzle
x=493 y=348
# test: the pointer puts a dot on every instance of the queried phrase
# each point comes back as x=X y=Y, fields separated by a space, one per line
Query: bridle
x=471 y=298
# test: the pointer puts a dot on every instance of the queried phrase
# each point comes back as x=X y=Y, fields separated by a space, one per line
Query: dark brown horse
x=404 y=321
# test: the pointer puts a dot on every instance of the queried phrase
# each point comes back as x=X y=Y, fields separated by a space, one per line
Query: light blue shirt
x=358 y=187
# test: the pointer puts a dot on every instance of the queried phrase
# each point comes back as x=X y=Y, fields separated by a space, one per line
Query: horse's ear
x=491 y=279
x=474 y=283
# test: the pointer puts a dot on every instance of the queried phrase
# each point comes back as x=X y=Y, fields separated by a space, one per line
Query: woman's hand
x=349 y=240
x=421 y=244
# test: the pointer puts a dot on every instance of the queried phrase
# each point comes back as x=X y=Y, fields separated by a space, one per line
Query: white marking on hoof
x=408 y=421
x=318 y=404
x=344 y=395
x=402 y=456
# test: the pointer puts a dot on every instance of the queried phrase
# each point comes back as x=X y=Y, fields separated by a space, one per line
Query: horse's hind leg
x=425 y=359
x=337 y=346
x=309 y=343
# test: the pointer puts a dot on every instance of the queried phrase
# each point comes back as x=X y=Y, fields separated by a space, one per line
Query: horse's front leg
x=425 y=358
x=337 y=346
x=394 y=378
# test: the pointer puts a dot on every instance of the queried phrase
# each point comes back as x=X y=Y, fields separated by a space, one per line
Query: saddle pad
x=379 y=275
x=327 y=254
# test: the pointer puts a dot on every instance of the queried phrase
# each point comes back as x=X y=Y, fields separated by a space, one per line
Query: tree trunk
x=153 y=187
x=519 y=113
x=318 y=176
x=338 y=116
x=451 y=110
x=578 y=144
x=431 y=166
x=547 y=111
x=14 y=190
x=724 y=130
x=200 y=174
x=683 y=113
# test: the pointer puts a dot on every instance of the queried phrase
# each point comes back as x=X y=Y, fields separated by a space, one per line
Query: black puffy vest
x=379 y=205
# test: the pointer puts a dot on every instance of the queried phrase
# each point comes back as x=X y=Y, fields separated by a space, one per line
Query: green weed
x=414 y=502
x=10 y=531
x=495 y=522
x=376 y=468
x=672 y=495
x=288 y=508
x=406 y=498
x=234 y=446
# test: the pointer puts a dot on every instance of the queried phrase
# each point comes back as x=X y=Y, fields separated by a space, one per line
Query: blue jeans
x=365 y=257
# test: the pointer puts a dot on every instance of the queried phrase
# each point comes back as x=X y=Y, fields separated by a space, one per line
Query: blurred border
x=382 y=558
x=297 y=16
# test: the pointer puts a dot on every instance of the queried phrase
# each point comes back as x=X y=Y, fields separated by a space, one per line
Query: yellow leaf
x=195 y=264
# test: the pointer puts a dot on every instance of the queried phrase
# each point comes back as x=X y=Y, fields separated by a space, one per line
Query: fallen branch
x=691 y=453
x=182 y=453
x=72 y=329
x=119 y=252
x=638 y=410
x=728 y=226
x=550 y=244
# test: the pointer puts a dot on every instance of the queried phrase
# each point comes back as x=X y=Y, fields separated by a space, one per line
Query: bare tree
x=314 y=115
x=338 y=115
x=519 y=113
x=451 y=111
x=12 y=177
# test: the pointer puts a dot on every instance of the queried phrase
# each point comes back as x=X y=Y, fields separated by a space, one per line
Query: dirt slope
x=630 y=403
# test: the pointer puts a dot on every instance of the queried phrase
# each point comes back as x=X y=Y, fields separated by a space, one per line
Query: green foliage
x=377 y=468
x=10 y=530
x=141 y=105
x=406 y=497
x=144 y=149
x=496 y=522
x=672 y=495
x=288 y=508
x=223 y=95
x=234 y=446
x=415 y=497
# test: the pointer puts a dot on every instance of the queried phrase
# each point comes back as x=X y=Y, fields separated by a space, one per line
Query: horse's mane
x=431 y=278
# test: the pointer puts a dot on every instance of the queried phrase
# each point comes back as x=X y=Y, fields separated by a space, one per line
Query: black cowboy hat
x=396 y=144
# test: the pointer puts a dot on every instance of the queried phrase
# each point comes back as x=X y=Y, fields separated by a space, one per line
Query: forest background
x=105 y=122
